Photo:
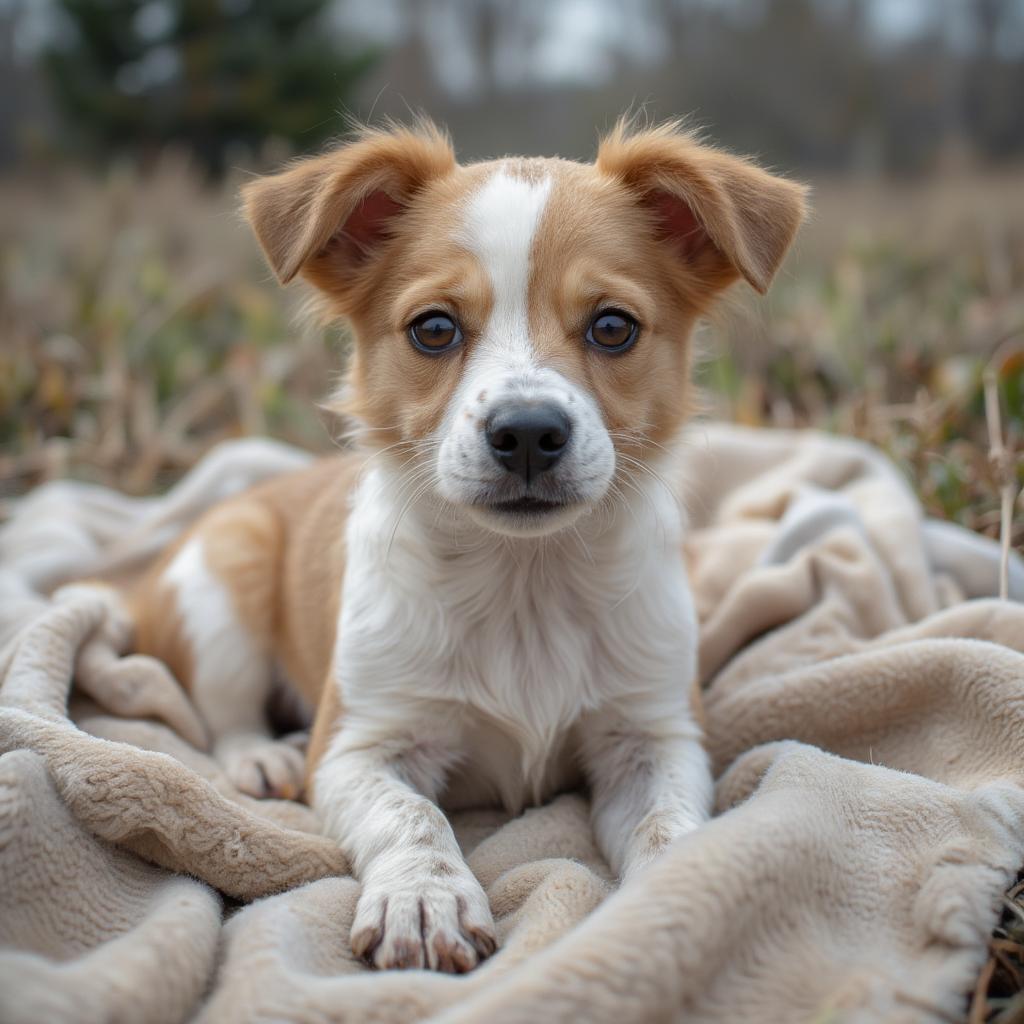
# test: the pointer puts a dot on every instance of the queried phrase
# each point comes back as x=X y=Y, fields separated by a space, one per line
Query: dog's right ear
x=330 y=213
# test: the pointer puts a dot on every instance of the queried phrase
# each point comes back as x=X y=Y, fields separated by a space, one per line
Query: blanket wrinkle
x=133 y=685
x=95 y=930
x=148 y=802
x=68 y=530
x=865 y=704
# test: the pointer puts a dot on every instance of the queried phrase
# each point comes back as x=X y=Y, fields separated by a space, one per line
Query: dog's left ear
x=725 y=216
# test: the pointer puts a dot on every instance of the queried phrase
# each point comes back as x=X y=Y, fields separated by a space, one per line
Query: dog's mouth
x=526 y=507
x=525 y=515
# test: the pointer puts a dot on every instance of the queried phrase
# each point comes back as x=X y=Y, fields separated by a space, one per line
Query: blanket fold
x=865 y=720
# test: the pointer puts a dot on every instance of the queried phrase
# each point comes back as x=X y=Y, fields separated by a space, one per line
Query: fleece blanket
x=865 y=706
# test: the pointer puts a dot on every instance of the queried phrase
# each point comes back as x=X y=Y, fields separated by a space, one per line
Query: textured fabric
x=866 y=723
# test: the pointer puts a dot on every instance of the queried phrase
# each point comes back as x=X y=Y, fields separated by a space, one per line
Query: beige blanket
x=866 y=724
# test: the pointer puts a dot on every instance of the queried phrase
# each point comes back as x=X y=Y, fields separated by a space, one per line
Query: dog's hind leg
x=210 y=614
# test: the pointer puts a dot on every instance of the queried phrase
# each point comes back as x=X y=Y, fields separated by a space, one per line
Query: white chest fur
x=508 y=641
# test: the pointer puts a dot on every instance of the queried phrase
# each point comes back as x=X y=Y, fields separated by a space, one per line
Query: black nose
x=528 y=439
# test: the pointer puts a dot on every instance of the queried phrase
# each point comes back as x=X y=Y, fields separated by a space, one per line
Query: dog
x=485 y=599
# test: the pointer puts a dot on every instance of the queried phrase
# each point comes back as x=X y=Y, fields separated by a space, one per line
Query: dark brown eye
x=612 y=330
x=434 y=332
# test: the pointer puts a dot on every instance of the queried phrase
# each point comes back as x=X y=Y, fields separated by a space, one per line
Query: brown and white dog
x=494 y=601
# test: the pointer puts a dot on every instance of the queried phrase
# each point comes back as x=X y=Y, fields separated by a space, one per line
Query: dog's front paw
x=262 y=767
x=422 y=920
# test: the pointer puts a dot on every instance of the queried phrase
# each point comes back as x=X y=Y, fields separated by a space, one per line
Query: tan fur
x=158 y=627
x=240 y=540
x=278 y=548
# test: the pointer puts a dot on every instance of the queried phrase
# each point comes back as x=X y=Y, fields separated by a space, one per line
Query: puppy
x=486 y=601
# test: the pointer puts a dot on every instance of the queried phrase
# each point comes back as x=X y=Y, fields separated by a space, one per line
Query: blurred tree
x=209 y=74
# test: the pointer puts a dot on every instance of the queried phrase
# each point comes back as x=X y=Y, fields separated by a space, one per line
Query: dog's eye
x=612 y=330
x=434 y=332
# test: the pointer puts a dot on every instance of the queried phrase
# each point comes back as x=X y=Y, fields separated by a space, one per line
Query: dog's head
x=522 y=326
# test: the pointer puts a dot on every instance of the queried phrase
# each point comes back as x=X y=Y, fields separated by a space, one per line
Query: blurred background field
x=139 y=325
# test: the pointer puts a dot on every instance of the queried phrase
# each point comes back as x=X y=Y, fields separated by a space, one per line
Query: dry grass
x=998 y=997
x=139 y=326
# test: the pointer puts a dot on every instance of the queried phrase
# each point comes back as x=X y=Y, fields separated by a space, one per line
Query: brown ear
x=725 y=216
x=343 y=201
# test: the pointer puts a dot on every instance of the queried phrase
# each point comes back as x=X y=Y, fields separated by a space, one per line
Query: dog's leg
x=650 y=784
x=229 y=666
x=420 y=905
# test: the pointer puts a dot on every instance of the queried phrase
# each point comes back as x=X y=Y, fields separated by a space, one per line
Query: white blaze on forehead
x=499 y=228
x=500 y=223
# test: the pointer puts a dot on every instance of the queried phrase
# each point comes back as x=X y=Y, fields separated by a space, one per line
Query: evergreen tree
x=137 y=74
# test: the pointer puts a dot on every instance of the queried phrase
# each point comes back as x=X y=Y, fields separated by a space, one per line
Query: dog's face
x=522 y=326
